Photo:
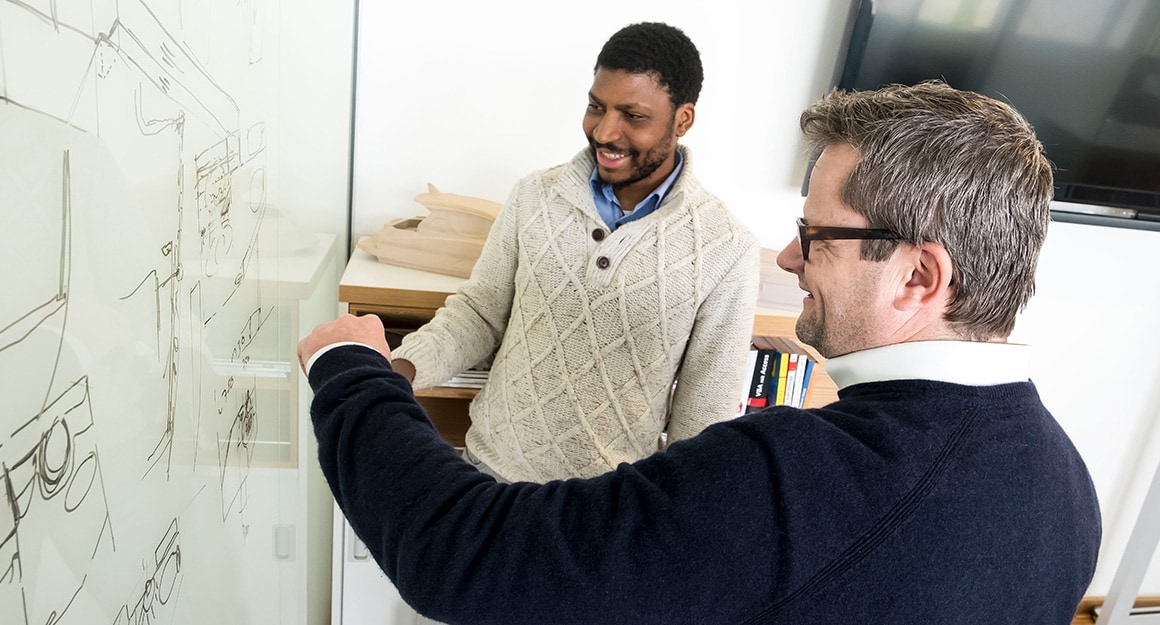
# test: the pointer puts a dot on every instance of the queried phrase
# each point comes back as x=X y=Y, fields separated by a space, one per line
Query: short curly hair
x=659 y=50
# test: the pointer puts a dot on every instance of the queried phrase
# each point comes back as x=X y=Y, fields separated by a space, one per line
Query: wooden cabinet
x=405 y=299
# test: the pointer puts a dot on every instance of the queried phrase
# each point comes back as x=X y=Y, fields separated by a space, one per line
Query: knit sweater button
x=603 y=262
x=598 y=234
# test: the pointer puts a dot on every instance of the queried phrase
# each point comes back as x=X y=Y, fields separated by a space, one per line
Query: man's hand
x=367 y=329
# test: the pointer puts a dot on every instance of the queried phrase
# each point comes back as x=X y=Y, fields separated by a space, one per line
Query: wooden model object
x=448 y=241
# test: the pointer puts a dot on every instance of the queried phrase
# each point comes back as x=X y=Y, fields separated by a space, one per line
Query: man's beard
x=647 y=165
x=810 y=329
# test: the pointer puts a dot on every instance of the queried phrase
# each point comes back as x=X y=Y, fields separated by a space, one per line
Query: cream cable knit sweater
x=592 y=328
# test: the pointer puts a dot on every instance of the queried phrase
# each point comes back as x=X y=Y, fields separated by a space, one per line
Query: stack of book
x=471 y=378
x=780 y=375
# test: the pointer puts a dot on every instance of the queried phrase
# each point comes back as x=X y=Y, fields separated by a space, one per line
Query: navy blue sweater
x=903 y=502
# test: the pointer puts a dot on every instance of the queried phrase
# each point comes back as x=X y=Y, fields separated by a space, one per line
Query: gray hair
x=949 y=167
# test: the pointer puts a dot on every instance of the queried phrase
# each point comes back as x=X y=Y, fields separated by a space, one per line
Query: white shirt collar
x=958 y=362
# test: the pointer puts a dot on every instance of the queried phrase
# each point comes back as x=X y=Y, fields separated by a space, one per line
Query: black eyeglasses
x=807 y=233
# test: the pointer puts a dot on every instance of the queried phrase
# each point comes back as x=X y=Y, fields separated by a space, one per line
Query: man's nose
x=607 y=130
x=790 y=258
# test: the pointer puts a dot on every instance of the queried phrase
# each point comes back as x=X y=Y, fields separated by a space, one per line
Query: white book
x=791 y=378
x=750 y=363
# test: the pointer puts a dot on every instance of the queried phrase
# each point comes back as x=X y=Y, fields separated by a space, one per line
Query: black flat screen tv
x=1085 y=73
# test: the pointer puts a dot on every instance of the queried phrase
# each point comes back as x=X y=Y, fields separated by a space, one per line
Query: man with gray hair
x=937 y=489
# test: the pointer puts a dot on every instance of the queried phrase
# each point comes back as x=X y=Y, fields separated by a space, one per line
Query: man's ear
x=928 y=279
x=684 y=118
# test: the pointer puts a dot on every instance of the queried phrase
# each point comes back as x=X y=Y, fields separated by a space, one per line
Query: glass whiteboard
x=173 y=216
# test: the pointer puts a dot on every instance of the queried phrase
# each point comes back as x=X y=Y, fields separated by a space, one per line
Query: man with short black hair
x=602 y=279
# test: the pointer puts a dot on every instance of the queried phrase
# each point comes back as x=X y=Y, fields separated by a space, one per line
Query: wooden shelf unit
x=408 y=298
x=777 y=323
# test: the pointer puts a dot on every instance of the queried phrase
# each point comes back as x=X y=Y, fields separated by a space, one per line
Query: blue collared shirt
x=609 y=206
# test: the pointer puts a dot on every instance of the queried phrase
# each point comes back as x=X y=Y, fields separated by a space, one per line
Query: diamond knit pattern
x=591 y=333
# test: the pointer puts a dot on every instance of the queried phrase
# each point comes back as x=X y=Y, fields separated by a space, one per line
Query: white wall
x=1094 y=329
x=472 y=96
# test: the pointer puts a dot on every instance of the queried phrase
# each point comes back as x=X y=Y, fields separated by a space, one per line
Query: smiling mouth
x=609 y=152
x=611 y=160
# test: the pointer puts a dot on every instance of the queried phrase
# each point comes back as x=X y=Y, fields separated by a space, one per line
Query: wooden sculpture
x=447 y=241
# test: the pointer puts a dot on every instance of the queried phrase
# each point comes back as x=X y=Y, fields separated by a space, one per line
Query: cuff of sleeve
x=319 y=353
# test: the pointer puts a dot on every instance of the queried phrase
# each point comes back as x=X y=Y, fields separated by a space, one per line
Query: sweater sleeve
x=712 y=371
x=469 y=327
x=462 y=548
